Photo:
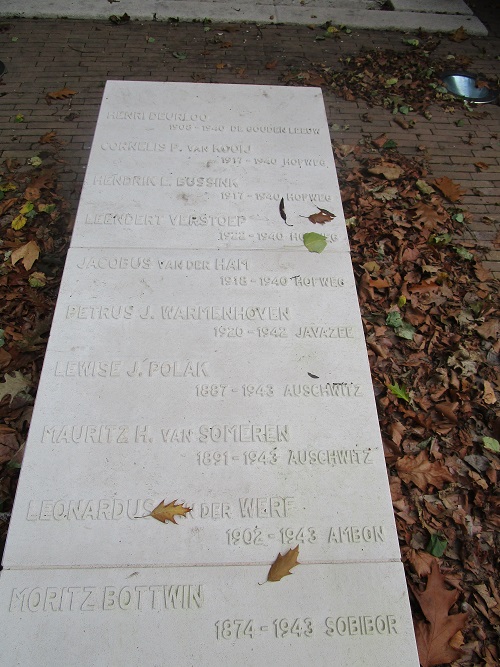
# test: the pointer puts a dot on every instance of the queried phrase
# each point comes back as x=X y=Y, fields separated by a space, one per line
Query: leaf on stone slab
x=29 y=253
x=13 y=385
x=449 y=188
x=164 y=513
x=321 y=217
x=388 y=169
x=422 y=472
x=433 y=637
x=314 y=242
x=283 y=564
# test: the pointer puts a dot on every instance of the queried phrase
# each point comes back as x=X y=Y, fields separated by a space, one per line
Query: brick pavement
x=50 y=54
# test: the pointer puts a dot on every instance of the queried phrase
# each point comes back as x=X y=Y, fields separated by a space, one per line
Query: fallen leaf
x=481 y=166
x=488 y=393
x=398 y=391
x=271 y=65
x=283 y=564
x=422 y=472
x=13 y=385
x=18 y=222
x=6 y=204
x=387 y=169
x=37 y=279
x=47 y=138
x=29 y=253
x=433 y=637
x=491 y=443
x=282 y=212
x=180 y=55
x=321 y=217
x=168 y=512
x=459 y=35
x=450 y=190
x=421 y=561
x=437 y=545
x=314 y=242
x=490 y=329
x=61 y=94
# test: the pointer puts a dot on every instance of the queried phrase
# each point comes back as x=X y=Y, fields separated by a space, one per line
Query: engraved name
x=155 y=115
x=135 y=180
x=177 y=369
x=225 y=313
x=206 y=182
x=214 y=433
x=107 y=598
x=207 y=220
x=140 y=146
x=280 y=129
x=83 y=510
x=332 y=389
x=125 y=219
x=330 y=457
x=356 y=534
x=96 y=434
x=213 y=148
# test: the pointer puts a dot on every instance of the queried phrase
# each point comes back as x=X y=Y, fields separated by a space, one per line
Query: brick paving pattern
x=46 y=55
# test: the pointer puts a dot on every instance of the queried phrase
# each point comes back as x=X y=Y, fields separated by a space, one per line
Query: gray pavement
x=406 y=15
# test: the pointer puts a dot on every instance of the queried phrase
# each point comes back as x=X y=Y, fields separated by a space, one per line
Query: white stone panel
x=177 y=166
x=321 y=614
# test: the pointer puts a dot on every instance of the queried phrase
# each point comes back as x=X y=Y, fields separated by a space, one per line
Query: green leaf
x=394 y=319
x=351 y=222
x=391 y=82
x=151 y=40
x=405 y=331
x=19 y=118
x=14 y=39
x=460 y=123
x=424 y=187
x=27 y=208
x=35 y=161
x=46 y=208
x=437 y=546
x=491 y=444
x=440 y=239
x=462 y=252
x=405 y=109
x=411 y=42
x=180 y=55
x=2 y=339
x=398 y=391
x=458 y=217
x=390 y=143
x=314 y=242
x=402 y=301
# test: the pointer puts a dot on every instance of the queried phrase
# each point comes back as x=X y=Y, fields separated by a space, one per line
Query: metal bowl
x=463 y=85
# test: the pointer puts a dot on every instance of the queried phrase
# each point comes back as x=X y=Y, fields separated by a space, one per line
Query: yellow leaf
x=168 y=512
x=283 y=564
x=29 y=253
x=19 y=222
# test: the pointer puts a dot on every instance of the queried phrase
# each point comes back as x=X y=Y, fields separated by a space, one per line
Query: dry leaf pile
x=431 y=316
x=400 y=80
x=34 y=239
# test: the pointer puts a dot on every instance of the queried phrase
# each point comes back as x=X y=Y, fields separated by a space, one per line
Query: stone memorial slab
x=190 y=165
x=205 y=405
x=345 y=614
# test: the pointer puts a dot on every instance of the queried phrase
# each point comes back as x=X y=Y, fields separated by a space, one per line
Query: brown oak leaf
x=421 y=561
x=321 y=217
x=423 y=472
x=6 y=204
x=47 y=138
x=164 y=513
x=283 y=564
x=433 y=637
x=449 y=188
